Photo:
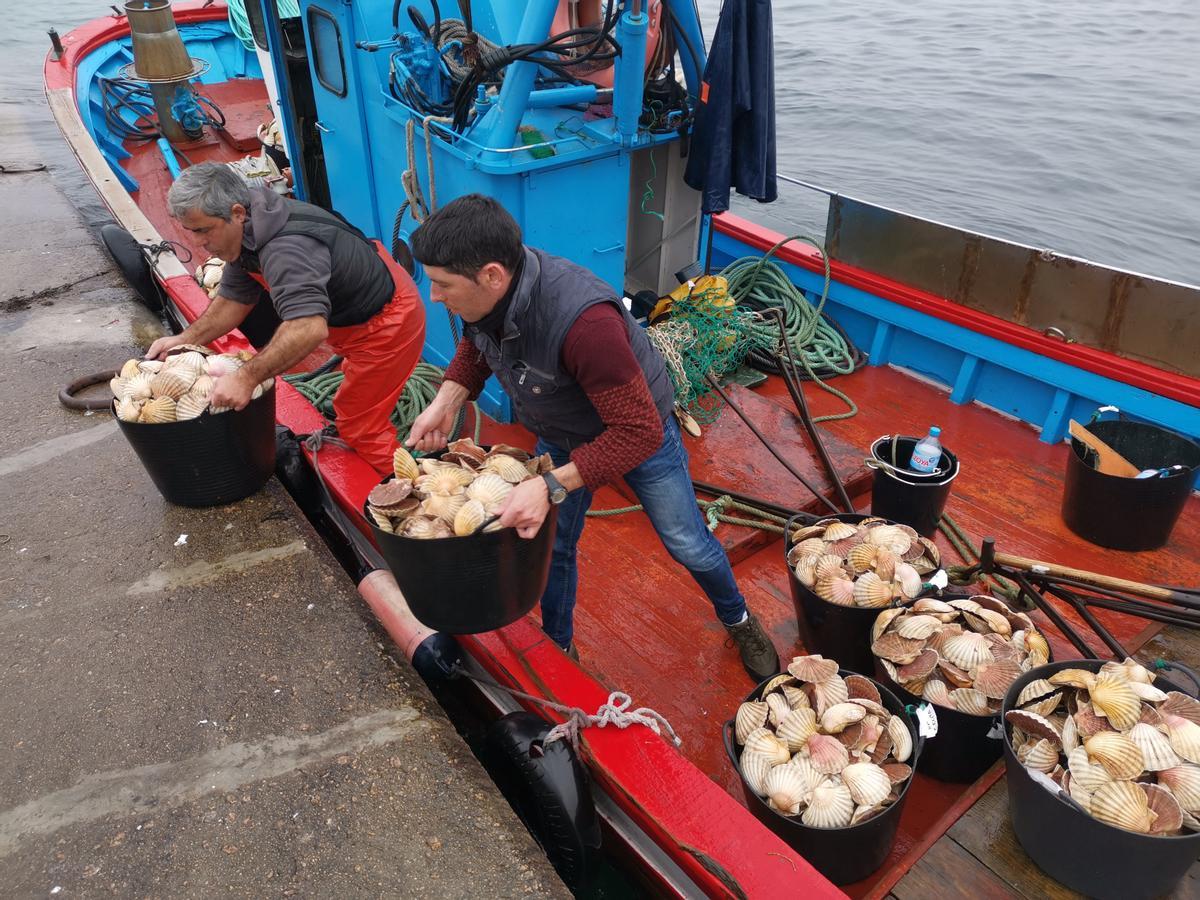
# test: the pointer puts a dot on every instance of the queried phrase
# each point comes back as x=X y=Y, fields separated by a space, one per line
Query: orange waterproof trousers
x=378 y=357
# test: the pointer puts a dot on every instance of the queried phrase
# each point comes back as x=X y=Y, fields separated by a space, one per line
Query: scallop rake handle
x=1105 y=581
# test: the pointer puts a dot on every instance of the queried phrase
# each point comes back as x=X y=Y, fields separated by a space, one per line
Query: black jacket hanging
x=733 y=139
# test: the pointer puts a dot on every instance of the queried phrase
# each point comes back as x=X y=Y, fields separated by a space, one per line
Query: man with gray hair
x=326 y=281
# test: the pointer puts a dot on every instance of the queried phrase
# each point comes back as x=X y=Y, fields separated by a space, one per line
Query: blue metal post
x=168 y=155
x=630 y=72
x=498 y=129
x=562 y=96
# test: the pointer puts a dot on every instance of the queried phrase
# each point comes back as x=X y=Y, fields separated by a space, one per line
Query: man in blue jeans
x=584 y=378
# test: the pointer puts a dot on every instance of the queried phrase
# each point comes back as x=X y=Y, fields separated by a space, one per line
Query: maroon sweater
x=597 y=354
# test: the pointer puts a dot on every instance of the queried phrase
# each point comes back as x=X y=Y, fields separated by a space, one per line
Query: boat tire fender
x=127 y=254
x=549 y=788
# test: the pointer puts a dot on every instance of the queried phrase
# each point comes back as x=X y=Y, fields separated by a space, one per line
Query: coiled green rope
x=240 y=24
x=759 y=283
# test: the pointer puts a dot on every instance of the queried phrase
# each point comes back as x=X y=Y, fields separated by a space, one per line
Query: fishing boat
x=1001 y=345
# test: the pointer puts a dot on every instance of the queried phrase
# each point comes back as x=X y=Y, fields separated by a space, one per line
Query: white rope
x=615 y=712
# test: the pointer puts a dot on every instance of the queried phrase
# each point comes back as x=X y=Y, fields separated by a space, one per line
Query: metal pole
x=741 y=414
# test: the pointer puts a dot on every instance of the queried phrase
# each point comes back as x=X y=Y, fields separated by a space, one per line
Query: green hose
x=759 y=283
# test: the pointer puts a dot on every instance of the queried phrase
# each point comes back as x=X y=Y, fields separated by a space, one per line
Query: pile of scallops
x=176 y=389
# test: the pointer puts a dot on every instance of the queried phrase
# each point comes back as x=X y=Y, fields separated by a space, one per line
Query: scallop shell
x=381 y=520
x=750 y=715
x=507 y=467
x=825 y=694
x=827 y=754
x=1184 y=735
x=1040 y=755
x=917 y=627
x=1076 y=678
x=444 y=481
x=1086 y=774
x=138 y=387
x=173 y=383
x=128 y=410
x=150 y=366
x=489 y=489
x=861 y=687
x=1181 y=705
x=1147 y=691
x=158 y=410
x=1156 y=749
x=118 y=385
x=797 y=727
x=884 y=619
x=828 y=566
x=837 y=717
x=777 y=681
x=1184 y=783
x=935 y=691
x=1070 y=734
x=868 y=784
x=130 y=369
x=871 y=591
x=1168 y=815
x=786 y=789
x=901 y=737
x=507 y=450
x=897 y=772
x=1122 y=804
x=885 y=563
x=838 y=591
x=891 y=537
x=763 y=741
x=861 y=557
x=1033 y=724
x=908 y=579
x=467 y=447
x=469 y=517
x=795 y=696
x=404 y=465
x=1120 y=756
x=970 y=701
x=1039 y=649
x=443 y=506
x=900 y=650
x=805 y=569
x=830 y=806
x=839 y=531
x=1040 y=697
x=918 y=670
x=967 y=650
x=777 y=707
x=813 y=668
x=424 y=527
x=190 y=407
x=1113 y=699
x=755 y=768
x=809 y=547
x=995 y=678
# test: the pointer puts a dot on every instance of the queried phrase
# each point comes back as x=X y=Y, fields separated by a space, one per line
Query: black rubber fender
x=549 y=788
x=127 y=253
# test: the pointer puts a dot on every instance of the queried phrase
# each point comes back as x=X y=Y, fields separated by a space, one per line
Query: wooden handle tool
x=1108 y=460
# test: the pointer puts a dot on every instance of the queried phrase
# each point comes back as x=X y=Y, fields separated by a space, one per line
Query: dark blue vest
x=551 y=294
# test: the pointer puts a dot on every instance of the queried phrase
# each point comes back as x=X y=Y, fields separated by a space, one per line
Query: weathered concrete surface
x=199 y=718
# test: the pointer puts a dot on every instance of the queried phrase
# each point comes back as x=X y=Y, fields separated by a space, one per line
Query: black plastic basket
x=211 y=460
x=469 y=585
x=836 y=632
x=1129 y=513
x=843 y=855
x=914 y=498
x=1085 y=854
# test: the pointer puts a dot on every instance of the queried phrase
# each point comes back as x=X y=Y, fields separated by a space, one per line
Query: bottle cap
x=934 y=430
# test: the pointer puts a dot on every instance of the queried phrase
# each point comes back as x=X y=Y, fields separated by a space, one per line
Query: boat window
x=327 y=51
x=258 y=26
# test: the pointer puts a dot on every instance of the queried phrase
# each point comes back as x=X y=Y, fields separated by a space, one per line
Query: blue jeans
x=664 y=488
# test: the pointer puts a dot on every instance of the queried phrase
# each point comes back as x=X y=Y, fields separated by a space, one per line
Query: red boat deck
x=642 y=625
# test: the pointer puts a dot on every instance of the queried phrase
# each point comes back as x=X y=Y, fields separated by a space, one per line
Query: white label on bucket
x=996 y=733
x=940 y=579
x=927 y=723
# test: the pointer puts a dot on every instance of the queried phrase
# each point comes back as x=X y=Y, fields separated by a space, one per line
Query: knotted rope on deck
x=615 y=712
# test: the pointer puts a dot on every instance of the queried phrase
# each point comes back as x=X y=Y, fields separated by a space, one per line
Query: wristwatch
x=558 y=493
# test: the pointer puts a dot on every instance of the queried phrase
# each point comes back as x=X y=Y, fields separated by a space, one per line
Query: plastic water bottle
x=928 y=452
